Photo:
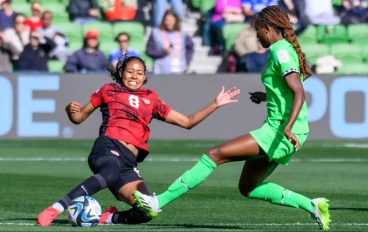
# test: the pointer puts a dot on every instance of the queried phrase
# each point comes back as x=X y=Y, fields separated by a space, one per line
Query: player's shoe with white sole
x=320 y=213
x=106 y=214
x=147 y=203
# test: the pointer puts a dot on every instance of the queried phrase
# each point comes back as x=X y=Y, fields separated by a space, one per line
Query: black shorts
x=104 y=147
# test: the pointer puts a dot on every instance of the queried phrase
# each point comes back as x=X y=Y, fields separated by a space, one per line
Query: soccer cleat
x=106 y=214
x=148 y=204
x=46 y=217
x=320 y=213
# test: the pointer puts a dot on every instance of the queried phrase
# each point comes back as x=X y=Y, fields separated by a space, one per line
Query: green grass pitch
x=34 y=174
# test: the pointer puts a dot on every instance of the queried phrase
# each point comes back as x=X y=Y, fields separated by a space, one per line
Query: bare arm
x=296 y=87
x=188 y=122
x=77 y=114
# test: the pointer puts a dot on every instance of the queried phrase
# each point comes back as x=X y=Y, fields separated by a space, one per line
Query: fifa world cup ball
x=84 y=211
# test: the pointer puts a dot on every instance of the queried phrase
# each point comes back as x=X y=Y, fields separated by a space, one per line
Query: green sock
x=278 y=195
x=190 y=179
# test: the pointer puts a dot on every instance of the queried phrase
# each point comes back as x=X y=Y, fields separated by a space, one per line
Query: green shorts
x=274 y=143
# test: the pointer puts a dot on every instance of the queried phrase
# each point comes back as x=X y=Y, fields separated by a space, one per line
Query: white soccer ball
x=84 y=211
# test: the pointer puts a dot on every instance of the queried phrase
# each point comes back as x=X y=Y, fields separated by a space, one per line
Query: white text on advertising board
x=26 y=106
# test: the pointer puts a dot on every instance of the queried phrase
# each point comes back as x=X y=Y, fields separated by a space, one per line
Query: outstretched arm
x=188 y=122
x=77 y=114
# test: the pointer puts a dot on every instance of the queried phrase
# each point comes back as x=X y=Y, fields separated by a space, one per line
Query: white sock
x=58 y=206
x=109 y=219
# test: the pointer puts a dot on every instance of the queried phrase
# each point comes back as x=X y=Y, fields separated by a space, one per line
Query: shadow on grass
x=348 y=209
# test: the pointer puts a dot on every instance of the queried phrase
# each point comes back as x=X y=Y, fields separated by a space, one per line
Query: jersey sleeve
x=161 y=110
x=287 y=60
x=97 y=97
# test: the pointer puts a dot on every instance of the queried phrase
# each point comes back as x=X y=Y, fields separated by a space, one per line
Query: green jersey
x=282 y=61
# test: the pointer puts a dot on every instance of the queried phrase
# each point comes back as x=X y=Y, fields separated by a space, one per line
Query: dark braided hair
x=117 y=72
x=278 y=18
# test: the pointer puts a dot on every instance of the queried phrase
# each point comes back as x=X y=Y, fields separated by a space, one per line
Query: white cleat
x=147 y=203
x=320 y=213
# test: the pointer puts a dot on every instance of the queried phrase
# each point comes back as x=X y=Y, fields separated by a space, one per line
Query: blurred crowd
x=29 y=41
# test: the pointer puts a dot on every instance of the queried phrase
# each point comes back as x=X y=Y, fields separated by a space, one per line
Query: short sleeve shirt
x=283 y=60
x=126 y=114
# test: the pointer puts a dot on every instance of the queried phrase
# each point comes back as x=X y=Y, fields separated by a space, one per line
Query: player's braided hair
x=278 y=18
x=117 y=72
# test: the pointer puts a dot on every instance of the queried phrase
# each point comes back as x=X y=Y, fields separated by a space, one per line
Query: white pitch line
x=168 y=159
x=212 y=224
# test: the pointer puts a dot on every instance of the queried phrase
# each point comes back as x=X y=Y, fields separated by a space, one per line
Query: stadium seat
x=332 y=34
x=337 y=2
x=148 y=60
x=75 y=45
x=207 y=5
x=104 y=28
x=309 y=36
x=196 y=4
x=134 y=29
x=314 y=51
x=347 y=53
x=22 y=7
x=107 y=46
x=230 y=33
x=353 y=69
x=55 y=66
x=72 y=31
x=358 y=33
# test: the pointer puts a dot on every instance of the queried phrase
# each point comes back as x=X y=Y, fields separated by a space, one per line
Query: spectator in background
x=34 y=22
x=159 y=7
x=170 y=47
x=320 y=12
x=36 y=54
x=7 y=15
x=252 y=7
x=18 y=37
x=352 y=11
x=123 y=39
x=61 y=51
x=254 y=61
x=116 y=10
x=226 y=11
x=6 y=51
x=83 y=11
x=89 y=58
x=246 y=42
x=296 y=10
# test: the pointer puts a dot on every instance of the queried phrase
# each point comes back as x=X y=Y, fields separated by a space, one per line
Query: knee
x=110 y=177
x=215 y=155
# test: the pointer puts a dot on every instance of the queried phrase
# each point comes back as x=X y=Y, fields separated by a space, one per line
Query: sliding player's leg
x=241 y=148
x=124 y=192
x=106 y=175
x=106 y=168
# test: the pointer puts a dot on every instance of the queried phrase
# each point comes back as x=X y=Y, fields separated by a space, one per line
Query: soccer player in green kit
x=283 y=133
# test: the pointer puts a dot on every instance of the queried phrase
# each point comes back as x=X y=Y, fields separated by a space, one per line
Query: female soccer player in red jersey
x=127 y=109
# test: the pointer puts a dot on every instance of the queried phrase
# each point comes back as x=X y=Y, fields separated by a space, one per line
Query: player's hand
x=226 y=97
x=73 y=107
x=257 y=97
x=291 y=137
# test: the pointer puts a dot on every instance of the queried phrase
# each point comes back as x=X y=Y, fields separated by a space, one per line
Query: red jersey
x=34 y=25
x=126 y=114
